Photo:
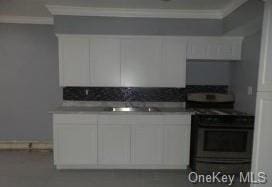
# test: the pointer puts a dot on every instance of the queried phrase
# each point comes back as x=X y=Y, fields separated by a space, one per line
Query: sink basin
x=132 y=109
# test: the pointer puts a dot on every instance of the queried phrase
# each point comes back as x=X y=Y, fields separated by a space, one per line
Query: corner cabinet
x=116 y=141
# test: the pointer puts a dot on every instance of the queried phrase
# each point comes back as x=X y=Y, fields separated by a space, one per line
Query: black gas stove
x=221 y=137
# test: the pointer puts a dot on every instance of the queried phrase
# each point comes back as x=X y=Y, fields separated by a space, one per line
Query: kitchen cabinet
x=147 y=145
x=75 y=140
x=141 y=61
x=214 y=48
x=121 y=141
x=113 y=140
x=154 y=61
x=114 y=61
x=74 y=63
x=173 y=68
x=176 y=134
x=105 y=61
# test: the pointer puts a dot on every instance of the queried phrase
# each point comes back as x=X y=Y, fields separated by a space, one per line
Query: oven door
x=222 y=142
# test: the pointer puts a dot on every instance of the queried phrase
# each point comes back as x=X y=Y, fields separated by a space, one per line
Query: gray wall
x=208 y=73
x=250 y=11
x=148 y=26
x=245 y=73
x=28 y=81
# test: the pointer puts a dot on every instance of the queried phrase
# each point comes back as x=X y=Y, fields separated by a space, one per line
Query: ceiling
x=36 y=8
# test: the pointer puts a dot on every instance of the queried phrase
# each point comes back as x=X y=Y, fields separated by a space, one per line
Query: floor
x=27 y=169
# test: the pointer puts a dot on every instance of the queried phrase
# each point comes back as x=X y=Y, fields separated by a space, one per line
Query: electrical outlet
x=87 y=92
x=250 y=90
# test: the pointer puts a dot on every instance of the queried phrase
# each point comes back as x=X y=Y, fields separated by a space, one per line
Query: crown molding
x=145 y=13
x=140 y=13
x=27 y=20
x=232 y=7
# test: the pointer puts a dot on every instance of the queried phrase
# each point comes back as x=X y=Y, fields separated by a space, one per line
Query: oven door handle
x=245 y=161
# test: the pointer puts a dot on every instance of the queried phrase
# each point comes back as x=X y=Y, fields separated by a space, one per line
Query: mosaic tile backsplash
x=136 y=94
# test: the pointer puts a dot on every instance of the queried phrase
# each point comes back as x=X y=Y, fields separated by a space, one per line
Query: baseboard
x=25 y=145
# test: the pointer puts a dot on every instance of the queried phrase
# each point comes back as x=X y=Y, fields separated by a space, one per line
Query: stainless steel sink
x=132 y=109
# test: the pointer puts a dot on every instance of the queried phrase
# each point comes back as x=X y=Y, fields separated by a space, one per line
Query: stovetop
x=221 y=117
x=216 y=111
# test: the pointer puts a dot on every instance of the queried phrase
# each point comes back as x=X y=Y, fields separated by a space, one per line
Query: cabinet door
x=75 y=144
x=147 y=145
x=113 y=144
x=214 y=48
x=197 y=48
x=105 y=58
x=173 y=69
x=74 y=61
x=141 y=61
x=176 y=145
x=265 y=67
x=262 y=149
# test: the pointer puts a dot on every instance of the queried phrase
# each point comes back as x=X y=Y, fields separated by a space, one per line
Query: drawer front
x=177 y=120
x=113 y=119
x=75 y=119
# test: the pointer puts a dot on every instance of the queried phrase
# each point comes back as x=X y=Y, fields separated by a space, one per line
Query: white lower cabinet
x=76 y=144
x=113 y=144
x=176 y=145
x=147 y=145
x=121 y=141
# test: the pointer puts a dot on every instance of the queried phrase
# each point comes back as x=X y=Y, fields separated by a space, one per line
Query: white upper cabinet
x=74 y=61
x=141 y=61
x=154 y=61
x=173 y=69
x=265 y=67
x=214 y=48
x=105 y=61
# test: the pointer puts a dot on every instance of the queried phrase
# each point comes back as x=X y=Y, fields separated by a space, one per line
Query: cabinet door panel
x=147 y=145
x=176 y=145
x=114 y=144
x=75 y=144
x=173 y=70
x=105 y=60
x=74 y=61
x=141 y=61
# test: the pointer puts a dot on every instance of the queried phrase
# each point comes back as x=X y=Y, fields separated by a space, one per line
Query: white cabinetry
x=121 y=141
x=75 y=140
x=173 y=67
x=113 y=140
x=141 y=61
x=147 y=140
x=138 y=61
x=176 y=134
x=74 y=63
x=134 y=61
x=105 y=61
x=214 y=48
